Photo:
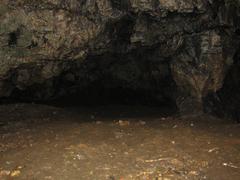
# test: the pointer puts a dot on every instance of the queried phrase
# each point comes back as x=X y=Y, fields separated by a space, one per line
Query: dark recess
x=13 y=38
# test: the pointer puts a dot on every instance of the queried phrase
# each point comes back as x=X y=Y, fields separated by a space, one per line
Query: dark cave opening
x=136 y=78
x=139 y=77
x=13 y=38
x=98 y=96
x=124 y=75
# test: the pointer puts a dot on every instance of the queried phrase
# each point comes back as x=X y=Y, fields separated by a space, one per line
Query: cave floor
x=118 y=142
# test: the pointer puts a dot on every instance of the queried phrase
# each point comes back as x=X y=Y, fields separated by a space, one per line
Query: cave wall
x=226 y=101
x=49 y=48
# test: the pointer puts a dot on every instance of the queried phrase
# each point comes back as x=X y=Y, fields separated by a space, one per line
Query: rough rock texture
x=49 y=48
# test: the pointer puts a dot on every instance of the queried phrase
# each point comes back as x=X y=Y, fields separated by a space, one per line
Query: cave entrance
x=136 y=78
x=125 y=74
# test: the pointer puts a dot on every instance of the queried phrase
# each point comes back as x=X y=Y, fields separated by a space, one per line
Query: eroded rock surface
x=49 y=48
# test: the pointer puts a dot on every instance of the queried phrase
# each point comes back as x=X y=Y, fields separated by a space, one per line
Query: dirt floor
x=115 y=143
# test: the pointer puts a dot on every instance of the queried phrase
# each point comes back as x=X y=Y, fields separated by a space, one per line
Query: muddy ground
x=115 y=143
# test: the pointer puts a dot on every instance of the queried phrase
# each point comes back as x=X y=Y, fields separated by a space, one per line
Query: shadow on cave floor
x=115 y=135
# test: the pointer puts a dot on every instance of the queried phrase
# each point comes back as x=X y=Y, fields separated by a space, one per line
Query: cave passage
x=139 y=77
x=115 y=117
x=119 y=90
